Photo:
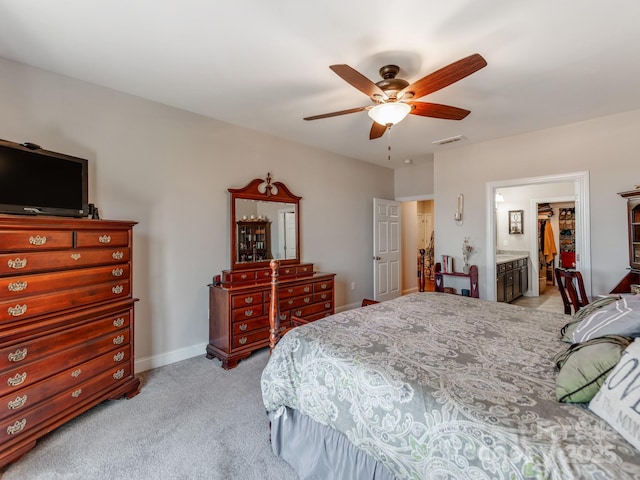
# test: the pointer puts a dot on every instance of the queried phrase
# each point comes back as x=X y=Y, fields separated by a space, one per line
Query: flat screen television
x=34 y=181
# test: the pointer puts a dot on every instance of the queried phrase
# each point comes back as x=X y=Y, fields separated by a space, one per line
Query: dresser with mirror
x=264 y=225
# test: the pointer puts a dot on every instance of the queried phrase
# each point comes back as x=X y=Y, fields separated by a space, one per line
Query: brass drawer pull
x=37 y=240
x=117 y=289
x=118 y=255
x=18 y=355
x=76 y=373
x=248 y=300
x=117 y=272
x=243 y=340
x=104 y=239
x=17 y=427
x=17 y=379
x=19 y=402
x=298 y=313
x=283 y=317
x=243 y=327
x=307 y=289
x=17 y=310
x=323 y=286
x=290 y=302
x=327 y=306
x=118 y=357
x=17 y=264
x=76 y=256
x=119 y=374
x=17 y=286
x=118 y=340
x=307 y=299
x=118 y=322
x=248 y=313
x=76 y=393
x=290 y=290
x=323 y=296
x=243 y=276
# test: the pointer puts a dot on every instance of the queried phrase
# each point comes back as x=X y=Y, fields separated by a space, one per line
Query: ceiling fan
x=394 y=98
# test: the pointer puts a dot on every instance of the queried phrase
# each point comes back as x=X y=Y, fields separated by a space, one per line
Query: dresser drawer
x=247 y=326
x=240 y=314
x=233 y=277
x=26 y=240
x=243 y=340
x=295 y=302
x=15 y=379
x=27 y=397
x=116 y=238
x=286 y=271
x=294 y=291
x=25 y=352
x=246 y=300
x=323 y=296
x=322 y=286
x=304 y=269
x=18 y=425
x=312 y=309
x=19 y=263
x=26 y=307
x=13 y=287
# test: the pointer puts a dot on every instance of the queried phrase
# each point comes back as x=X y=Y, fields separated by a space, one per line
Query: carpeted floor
x=191 y=420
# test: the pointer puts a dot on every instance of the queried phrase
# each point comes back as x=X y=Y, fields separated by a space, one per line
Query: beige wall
x=169 y=170
x=606 y=147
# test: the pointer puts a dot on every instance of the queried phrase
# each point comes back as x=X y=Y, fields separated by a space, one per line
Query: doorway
x=538 y=190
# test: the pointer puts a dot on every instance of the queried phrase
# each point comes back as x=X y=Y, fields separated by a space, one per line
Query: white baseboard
x=149 y=363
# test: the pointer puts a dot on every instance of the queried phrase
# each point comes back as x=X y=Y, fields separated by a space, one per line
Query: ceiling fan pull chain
x=389 y=144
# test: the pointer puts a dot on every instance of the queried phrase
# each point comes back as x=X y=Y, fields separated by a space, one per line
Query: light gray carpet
x=191 y=420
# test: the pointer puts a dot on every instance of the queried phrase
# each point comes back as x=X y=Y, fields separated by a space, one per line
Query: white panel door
x=387 y=249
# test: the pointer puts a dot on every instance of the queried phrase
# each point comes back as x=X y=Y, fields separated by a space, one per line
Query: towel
x=549 y=243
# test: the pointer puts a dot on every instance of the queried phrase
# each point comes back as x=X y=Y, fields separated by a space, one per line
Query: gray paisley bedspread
x=439 y=386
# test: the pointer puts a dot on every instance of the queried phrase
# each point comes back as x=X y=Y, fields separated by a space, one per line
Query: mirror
x=264 y=224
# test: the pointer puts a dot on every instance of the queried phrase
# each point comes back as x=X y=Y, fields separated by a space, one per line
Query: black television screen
x=36 y=181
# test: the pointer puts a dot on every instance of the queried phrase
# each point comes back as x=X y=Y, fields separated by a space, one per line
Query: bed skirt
x=318 y=452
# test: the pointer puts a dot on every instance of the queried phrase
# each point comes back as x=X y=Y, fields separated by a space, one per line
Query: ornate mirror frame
x=262 y=190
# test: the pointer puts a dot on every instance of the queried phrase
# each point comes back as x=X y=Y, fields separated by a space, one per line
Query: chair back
x=571 y=288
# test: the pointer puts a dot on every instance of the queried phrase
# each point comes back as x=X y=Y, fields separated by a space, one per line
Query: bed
x=433 y=386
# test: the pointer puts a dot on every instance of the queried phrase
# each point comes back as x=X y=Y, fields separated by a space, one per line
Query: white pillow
x=618 y=400
x=621 y=317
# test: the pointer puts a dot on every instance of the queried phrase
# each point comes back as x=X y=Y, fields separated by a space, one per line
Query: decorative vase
x=465 y=268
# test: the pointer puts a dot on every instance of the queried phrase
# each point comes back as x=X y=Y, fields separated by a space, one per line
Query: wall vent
x=444 y=141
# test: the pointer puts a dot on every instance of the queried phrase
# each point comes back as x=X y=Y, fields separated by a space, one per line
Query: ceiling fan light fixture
x=389 y=113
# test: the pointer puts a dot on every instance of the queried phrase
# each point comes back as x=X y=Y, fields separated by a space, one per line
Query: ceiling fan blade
x=436 y=110
x=377 y=131
x=445 y=76
x=357 y=80
x=335 y=114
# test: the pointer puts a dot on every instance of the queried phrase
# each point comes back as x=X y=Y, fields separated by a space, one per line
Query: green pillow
x=566 y=332
x=585 y=366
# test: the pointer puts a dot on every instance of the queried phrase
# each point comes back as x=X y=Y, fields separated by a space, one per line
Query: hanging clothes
x=550 y=250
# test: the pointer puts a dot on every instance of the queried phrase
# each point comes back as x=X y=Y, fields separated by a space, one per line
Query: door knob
x=377 y=258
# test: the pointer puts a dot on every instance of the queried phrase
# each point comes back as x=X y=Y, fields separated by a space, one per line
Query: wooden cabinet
x=472 y=277
x=254 y=240
x=512 y=279
x=66 y=323
x=633 y=221
x=239 y=307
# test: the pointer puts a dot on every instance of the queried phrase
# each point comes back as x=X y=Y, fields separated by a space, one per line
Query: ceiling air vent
x=444 y=141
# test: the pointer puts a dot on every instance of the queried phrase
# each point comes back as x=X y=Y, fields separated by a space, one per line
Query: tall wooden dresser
x=66 y=323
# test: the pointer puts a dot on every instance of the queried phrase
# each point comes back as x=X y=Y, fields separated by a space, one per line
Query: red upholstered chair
x=572 y=289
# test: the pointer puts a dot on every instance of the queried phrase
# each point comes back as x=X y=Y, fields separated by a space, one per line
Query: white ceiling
x=264 y=64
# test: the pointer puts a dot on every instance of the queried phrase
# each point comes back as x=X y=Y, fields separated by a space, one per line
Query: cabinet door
x=500 y=288
x=517 y=282
x=524 y=279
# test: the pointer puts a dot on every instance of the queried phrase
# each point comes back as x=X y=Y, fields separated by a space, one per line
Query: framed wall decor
x=515 y=222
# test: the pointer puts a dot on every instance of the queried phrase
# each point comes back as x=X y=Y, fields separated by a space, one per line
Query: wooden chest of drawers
x=239 y=307
x=66 y=323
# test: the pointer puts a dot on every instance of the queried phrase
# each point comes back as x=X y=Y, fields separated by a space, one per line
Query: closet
x=556 y=238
